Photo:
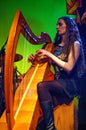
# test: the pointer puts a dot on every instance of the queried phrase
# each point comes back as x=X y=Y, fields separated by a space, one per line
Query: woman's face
x=61 y=27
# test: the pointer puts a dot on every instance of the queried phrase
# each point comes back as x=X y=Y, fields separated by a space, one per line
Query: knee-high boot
x=47 y=107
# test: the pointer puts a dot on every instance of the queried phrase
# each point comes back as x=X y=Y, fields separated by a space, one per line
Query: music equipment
x=23 y=109
x=18 y=57
x=2 y=59
x=2 y=96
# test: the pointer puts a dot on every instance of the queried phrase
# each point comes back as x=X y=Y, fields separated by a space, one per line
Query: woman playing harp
x=68 y=62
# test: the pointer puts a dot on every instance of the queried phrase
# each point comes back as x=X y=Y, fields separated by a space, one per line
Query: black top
x=69 y=81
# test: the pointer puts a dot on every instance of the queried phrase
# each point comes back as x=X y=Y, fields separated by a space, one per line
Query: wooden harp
x=27 y=113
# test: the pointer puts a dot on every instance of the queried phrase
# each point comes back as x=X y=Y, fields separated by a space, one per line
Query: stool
x=64 y=116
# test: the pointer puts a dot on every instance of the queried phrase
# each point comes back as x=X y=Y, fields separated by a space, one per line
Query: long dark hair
x=72 y=36
x=72 y=32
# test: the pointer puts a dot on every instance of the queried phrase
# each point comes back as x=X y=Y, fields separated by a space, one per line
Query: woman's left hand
x=42 y=52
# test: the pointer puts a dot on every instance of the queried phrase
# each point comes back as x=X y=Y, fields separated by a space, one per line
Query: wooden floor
x=3 y=123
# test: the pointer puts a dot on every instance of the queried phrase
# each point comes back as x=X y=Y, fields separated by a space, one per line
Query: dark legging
x=47 y=89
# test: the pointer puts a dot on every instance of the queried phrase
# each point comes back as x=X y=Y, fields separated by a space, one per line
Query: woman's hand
x=31 y=58
x=40 y=56
x=42 y=52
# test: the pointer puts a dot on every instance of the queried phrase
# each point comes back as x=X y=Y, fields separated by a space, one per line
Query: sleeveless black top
x=70 y=81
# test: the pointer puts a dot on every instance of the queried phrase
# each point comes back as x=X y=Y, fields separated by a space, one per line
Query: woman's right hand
x=31 y=58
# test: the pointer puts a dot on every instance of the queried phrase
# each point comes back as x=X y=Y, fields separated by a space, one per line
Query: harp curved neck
x=30 y=36
x=44 y=37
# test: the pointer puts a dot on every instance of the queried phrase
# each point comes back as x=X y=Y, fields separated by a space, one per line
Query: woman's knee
x=40 y=86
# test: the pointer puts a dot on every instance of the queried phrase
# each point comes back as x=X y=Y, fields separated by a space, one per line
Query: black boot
x=47 y=107
x=41 y=124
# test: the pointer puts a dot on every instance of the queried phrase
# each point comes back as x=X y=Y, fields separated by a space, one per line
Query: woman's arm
x=67 y=66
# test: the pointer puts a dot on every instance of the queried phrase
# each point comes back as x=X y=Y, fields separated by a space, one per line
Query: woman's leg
x=45 y=91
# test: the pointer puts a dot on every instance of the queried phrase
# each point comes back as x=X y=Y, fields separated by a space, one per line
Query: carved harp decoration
x=19 y=25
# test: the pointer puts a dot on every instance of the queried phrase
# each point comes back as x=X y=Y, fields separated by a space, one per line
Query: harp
x=24 y=113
